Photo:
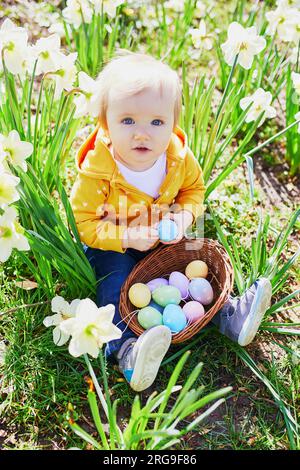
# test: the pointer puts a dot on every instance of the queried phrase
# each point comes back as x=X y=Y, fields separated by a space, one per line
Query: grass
x=41 y=385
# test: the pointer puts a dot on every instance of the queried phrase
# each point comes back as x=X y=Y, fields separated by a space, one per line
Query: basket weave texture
x=168 y=258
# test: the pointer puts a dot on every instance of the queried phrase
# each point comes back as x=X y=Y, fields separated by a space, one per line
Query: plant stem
x=96 y=384
x=24 y=306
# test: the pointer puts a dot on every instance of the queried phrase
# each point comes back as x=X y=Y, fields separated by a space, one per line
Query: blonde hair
x=130 y=73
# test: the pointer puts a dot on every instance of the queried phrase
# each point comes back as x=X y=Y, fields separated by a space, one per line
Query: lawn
x=248 y=146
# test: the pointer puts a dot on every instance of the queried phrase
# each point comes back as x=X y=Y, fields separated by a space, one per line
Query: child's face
x=142 y=120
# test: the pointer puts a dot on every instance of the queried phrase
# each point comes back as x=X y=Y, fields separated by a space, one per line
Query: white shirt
x=149 y=181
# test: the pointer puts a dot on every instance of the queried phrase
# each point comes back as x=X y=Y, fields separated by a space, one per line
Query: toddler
x=133 y=170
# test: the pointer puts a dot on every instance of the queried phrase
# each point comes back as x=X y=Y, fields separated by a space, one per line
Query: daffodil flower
x=200 y=38
x=88 y=101
x=109 y=6
x=65 y=73
x=8 y=191
x=11 y=234
x=285 y=21
x=13 y=45
x=261 y=101
x=44 y=51
x=90 y=328
x=62 y=312
x=242 y=41
x=16 y=149
x=76 y=11
x=296 y=81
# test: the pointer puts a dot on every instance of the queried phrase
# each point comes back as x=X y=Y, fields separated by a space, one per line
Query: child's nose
x=141 y=135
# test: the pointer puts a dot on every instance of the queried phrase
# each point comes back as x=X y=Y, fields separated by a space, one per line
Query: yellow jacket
x=100 y=186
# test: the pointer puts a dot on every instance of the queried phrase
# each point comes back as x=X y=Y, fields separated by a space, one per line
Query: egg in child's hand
x=179 y=280
x=167 y=230
x=149 y=317
x=193 y=311
x=174 y=318
x=157 y=282
x=196 y=268
x=139 y=295
x=166 y=295
x=201 y=290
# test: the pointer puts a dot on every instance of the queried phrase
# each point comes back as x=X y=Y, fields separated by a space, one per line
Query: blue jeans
x=116 y=266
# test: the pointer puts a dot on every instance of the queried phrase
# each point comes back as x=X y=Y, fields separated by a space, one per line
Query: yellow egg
x=139 y=295
x=196 y=268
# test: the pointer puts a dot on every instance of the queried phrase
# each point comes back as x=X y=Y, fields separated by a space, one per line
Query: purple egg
x=157 y=282
x=180 y=281
x=201 y=290
x=193 y=310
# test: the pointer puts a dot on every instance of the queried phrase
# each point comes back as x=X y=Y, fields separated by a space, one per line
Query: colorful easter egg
x=201 y=290
x=193 y=310
x=167 y=230
x=179 y=280
x=155 y=305
x=166 y=295
x=157 y=282
x=139 y=295
x=174 y=318
x=149 y=317
x=196 y=268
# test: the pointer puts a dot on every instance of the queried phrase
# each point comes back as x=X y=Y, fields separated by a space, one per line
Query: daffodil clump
x=13 y=152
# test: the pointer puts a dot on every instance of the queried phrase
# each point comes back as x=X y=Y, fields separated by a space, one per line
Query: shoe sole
x=259 y=306
x=151 y=352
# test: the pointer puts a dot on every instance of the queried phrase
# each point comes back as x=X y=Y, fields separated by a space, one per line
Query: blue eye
x=126 y=119
x=157 y=120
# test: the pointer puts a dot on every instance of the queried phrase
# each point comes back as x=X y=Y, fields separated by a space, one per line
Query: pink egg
x=193 y=311
x=157 y=282
x=180 y=281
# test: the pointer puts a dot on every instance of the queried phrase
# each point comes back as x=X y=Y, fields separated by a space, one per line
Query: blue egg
x=174 y=318
x=155 y=305
x=167 y=230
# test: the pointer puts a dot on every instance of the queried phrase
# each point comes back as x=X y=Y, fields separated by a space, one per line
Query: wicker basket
x=168 y=258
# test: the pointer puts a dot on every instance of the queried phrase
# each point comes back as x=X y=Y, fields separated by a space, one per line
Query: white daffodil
x=16 y=149
x=62 y=311
x=109 y=6
x=294 y=55
x=176 y=5
x=296 y=81
x=200 y=38
x=11 y=234
x=285 y=21
x=2 y=156
x=65 y=73
x=45 y=50
x=87 y=102
x=78 y=11
x=90 y=328
x=13 y=44
x=242 y=41
x=8 y=191
x=297 y=117
x=200 y=9
x=261 y=101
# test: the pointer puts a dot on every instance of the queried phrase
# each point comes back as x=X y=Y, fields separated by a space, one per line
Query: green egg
x=165 y=295
x=148 y=317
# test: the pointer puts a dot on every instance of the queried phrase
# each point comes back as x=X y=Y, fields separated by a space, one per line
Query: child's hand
x=140 y=238
x=183 y=220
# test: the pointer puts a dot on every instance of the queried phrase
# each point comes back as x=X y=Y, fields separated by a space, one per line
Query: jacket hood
x=94 y=158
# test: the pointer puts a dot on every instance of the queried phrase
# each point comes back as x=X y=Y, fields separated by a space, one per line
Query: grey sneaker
x=240 y=317
x=139 y=359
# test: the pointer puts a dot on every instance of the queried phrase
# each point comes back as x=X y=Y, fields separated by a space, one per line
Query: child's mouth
x=142 y=149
